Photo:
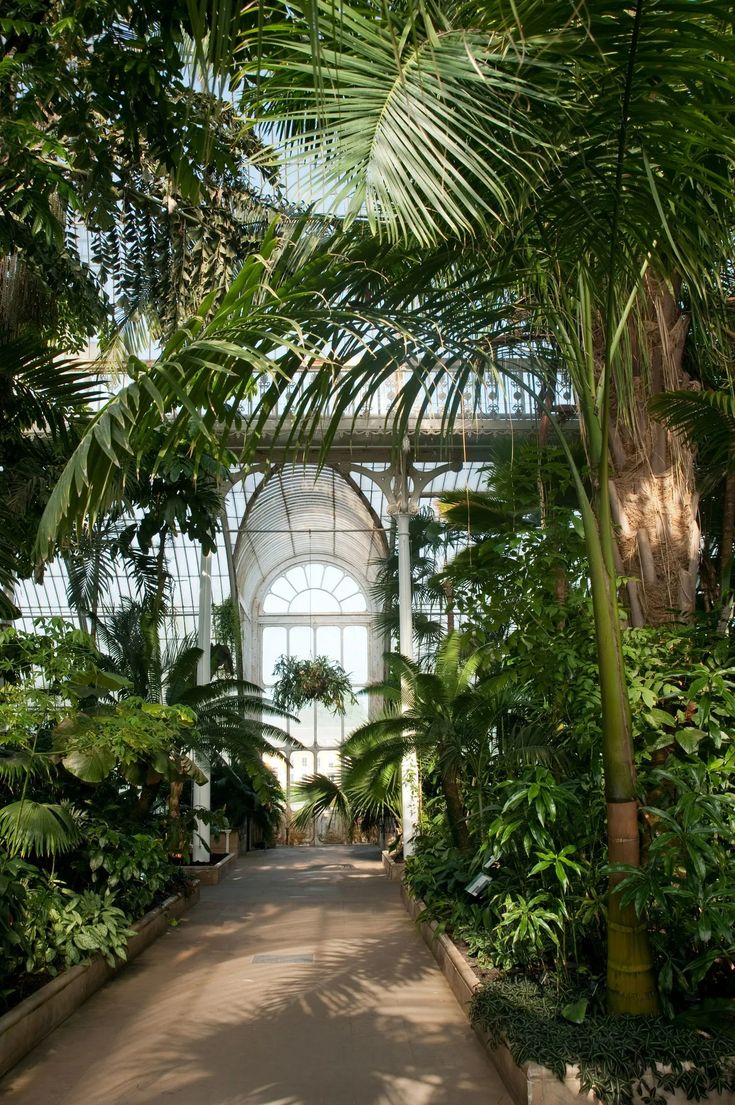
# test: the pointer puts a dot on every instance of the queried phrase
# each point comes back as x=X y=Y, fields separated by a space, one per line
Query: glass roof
x=296 y=515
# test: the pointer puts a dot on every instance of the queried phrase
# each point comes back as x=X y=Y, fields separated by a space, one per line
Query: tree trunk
x=726 y=542
x=631 y=988
x=653 y=495
x=175 y=835
x=148 y=795
x=630 y=985
x=456 y=815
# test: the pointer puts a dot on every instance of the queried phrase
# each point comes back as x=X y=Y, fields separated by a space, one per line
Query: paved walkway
x=230 y=1008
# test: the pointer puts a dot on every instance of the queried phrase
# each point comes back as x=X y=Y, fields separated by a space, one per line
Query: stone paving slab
x=199 y=1020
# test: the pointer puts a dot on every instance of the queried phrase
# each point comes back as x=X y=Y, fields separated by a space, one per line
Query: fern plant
x=299 y=682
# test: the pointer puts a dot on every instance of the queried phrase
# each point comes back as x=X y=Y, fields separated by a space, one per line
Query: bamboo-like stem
x=631 y=987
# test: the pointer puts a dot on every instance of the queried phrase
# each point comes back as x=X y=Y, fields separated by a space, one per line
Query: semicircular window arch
x=313 y=590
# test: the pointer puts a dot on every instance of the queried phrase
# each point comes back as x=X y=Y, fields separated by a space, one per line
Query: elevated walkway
x=449 y=421
x=300 y=981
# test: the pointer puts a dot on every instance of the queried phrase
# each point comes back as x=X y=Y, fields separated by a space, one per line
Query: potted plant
x=299 y=682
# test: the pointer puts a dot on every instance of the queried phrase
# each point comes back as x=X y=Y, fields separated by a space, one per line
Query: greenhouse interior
x=367 y=519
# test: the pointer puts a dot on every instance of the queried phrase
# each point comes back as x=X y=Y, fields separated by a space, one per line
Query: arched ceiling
x=299 y=513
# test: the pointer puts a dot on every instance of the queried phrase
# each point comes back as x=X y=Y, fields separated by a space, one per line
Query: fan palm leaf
x=320 y=795
x=706 y=419
x=43 y=828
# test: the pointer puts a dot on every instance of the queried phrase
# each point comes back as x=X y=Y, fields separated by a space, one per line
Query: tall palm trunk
x=653 y=494
x=630 y=983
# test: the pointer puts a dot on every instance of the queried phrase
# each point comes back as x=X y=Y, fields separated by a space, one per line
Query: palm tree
x=448 y=711
x=234 y=723
x=361 y=796
x=580 y=152
x=543 y=175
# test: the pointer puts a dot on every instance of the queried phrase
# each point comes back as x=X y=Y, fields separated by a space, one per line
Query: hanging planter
x=299 y=682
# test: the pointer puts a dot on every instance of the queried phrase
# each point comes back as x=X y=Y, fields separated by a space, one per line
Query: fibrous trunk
x=653 y=495
x=455 y=809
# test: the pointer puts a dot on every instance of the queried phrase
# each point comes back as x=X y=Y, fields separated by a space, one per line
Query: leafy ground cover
x=618 y=1057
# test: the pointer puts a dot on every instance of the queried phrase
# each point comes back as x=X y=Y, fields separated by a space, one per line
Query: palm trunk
x=726 y=543
x=653 y=495
x=456 y=816
x=631 y=987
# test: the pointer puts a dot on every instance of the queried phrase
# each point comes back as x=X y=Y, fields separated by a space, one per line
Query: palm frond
x=706 y=420
x=432 y=119
x=41 y=390
x=43 y=828
x=320 y=794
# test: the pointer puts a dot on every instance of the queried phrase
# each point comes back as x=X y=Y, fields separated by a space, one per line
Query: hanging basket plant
x=299 y=682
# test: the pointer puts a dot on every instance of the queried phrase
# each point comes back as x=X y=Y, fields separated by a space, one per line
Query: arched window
x=317 y=609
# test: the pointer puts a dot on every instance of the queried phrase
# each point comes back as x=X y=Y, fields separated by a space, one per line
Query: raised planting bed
x=210 y=874
x=40 y=1013
x=393 y=868
x=530 y=1083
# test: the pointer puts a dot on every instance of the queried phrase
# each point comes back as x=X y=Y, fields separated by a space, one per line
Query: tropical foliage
x=299 y=682
x=538 y=184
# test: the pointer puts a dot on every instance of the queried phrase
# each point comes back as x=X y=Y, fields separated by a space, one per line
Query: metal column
x=409 y=766
x=202 y=794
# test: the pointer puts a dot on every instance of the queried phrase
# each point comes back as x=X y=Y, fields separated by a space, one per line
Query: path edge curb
x=214 y=874
x=29 y=1022
x=531 y=1083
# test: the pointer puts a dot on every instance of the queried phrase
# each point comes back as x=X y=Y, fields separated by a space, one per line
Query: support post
x=403 y=483
x=202 y=794
x=409 y=766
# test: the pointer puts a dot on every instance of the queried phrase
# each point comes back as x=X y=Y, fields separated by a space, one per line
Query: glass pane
x=356 y=652
x=274 y=645
x=303 y=729
x=297 y=576
x=328 y=727
x=300 y=642
x=332 y=576
x=314 y=574
x=283 y=589
x=302 y=765
x=314 y=601
x=356 y=714
x=328 y=642
x=274 y=605
x=355 y=604
x=328 y=763
x=345 y=588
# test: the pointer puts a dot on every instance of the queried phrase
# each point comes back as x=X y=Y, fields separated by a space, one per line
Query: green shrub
x=617 y=1056
x=13 y=903
x=62 y=927
x=133 y=865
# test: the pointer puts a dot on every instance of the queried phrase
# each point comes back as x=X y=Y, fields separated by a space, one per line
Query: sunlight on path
x=298 y=982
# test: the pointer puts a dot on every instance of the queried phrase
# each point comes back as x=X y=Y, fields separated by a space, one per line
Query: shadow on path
x=369 y=1020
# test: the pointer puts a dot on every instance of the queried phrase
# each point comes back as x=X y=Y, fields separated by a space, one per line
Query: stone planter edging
x=39 y=1014
x=212 y=876
x=393 y=868
x=529 y=1084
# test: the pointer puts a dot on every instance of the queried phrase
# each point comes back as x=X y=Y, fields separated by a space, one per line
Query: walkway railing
x=493 y=398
